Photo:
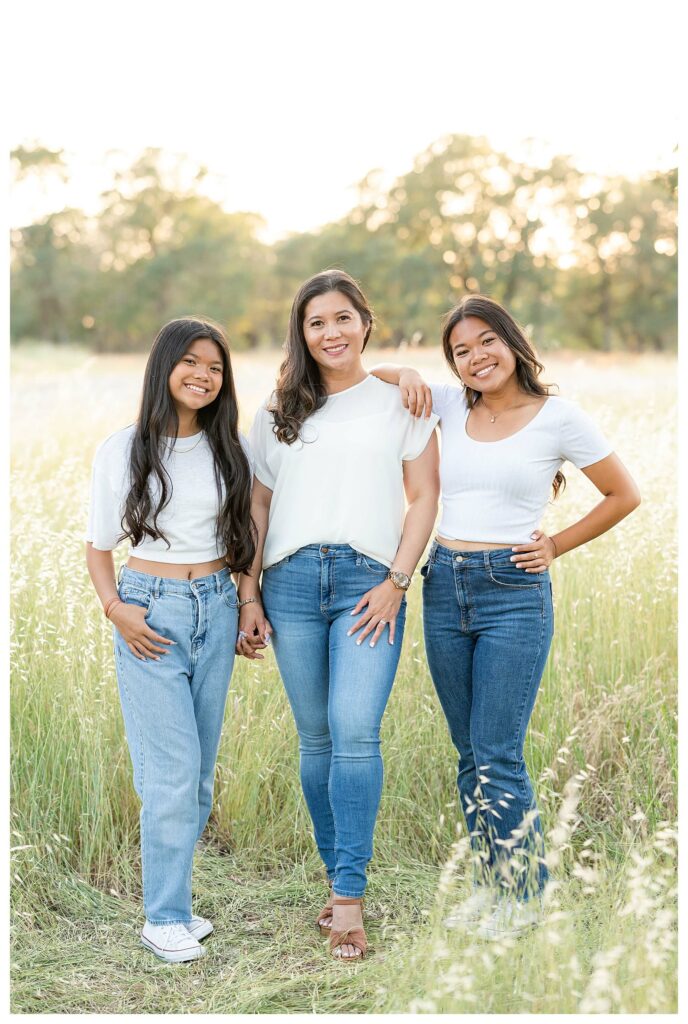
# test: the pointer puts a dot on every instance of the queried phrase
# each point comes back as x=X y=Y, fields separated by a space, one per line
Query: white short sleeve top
x=342 y=481
x=497 y=491
x=188 y=520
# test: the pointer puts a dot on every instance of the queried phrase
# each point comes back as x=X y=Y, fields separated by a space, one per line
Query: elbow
x=631 y=500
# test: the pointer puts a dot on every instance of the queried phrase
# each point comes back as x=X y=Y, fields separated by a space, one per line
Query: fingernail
x=358 y=643
x=350 y=632
x=353 y=612
x=372 y=643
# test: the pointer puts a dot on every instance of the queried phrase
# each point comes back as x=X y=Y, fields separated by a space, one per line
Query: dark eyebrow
x=192 y=355
x=318 y=316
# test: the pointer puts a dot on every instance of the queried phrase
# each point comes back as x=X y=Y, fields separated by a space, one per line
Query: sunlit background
x=290 y=105
x=166 y=161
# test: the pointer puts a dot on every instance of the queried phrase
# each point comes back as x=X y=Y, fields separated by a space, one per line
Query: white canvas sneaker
x=171 y=942
x=510 y=917
x=199 y=927
x=477 y=906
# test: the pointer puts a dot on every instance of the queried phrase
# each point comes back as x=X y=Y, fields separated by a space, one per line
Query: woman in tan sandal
x=335 y=455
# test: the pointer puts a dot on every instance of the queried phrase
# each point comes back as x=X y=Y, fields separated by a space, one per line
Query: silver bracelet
x=247 y=600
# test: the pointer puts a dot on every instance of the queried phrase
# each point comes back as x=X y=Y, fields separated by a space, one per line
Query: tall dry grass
x=601 y=747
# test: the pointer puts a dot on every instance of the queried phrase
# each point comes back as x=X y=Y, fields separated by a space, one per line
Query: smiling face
x=196 y=380
x=334 y=331
x=483 y=360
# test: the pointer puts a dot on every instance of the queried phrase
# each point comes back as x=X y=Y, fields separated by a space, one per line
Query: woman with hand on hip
x=487 y=598
x=176 y=484
x=334 y=454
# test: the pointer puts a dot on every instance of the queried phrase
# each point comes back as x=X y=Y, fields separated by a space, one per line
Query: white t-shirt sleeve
x=104 y=528
x=442 y=395
x=247 y=452
x=259 y=440
x=581 y=440
x=416 y=434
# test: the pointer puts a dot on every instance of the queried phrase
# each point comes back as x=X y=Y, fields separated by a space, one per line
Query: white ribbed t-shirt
x=342 y=481
x=188 y=520
x=497 y=491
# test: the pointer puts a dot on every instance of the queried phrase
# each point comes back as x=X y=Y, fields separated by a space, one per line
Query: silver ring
x=382 y=622
x=241 y=635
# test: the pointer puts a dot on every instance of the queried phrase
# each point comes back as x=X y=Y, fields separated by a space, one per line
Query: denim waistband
x=318 y=550
x=471 y=559
x=158 y=585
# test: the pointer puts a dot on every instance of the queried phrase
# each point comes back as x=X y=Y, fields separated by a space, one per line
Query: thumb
x=536 y=534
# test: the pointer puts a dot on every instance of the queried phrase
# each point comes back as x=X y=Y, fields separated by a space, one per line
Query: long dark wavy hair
x=528 y=366
x=158 y=420
x=299 y=391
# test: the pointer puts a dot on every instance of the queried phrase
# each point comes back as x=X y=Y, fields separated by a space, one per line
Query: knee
x=495 y=767
x=315 y=739
x=354 y=736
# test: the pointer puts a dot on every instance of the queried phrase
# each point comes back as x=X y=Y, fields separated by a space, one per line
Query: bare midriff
x=176 y=570
x=469 y=545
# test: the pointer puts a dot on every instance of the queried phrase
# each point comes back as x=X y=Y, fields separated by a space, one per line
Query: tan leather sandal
x=325 y=926
x=351 y=937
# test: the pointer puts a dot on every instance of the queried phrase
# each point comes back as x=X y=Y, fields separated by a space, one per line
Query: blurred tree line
x=585 y=261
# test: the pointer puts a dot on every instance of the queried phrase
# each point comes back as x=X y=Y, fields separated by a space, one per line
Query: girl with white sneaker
x=487 y=597
x=176 y=485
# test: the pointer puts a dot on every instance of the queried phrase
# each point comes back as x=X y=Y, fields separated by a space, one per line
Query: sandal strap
x=352 y=937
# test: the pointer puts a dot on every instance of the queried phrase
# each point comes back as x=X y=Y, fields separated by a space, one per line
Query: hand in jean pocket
x=130 y=621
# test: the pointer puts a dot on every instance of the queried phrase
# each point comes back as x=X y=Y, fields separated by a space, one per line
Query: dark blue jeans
x=488 y=627
x=338 y=692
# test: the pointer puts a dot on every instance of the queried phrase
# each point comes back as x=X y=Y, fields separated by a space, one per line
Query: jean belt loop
x=156 y=587
x=119 y=573
x=218 y=584
x=486 y=557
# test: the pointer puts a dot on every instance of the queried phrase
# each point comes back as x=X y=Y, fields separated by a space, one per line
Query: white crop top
x=189 y=518
x=342 y=481
x=497 y=491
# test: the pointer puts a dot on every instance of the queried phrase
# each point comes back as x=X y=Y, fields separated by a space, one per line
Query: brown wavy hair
x=158 y=418
x=528 y=366
x=299 y=391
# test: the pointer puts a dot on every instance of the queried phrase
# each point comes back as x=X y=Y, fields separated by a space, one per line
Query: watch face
x=400 y=580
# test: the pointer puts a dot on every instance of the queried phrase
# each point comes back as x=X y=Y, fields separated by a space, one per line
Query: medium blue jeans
x=488 y=628
x=173 y=711
x=338 y=692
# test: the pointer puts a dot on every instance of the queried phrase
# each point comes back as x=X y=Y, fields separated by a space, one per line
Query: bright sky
x=290 y=104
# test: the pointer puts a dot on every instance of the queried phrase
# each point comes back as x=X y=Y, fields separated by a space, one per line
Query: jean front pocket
x=373 y=567
x=136 y=595
x=229 y=594
x=513 y=578
x=426 y=570
x=276 y=565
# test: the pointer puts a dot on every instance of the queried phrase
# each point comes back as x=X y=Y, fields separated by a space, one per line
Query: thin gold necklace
x=493 y=415
x=183 y=451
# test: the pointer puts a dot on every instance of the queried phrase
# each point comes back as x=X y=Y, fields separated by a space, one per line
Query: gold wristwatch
x=400 y=580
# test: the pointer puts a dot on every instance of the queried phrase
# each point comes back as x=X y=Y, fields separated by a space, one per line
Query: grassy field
x=601 y=748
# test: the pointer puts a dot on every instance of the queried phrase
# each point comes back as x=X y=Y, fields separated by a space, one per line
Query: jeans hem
x=162 y=924
x=348 y=895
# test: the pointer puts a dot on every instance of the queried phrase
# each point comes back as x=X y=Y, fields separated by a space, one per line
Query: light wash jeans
x=488 y=627
x=173 y=711
x=338 y=692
